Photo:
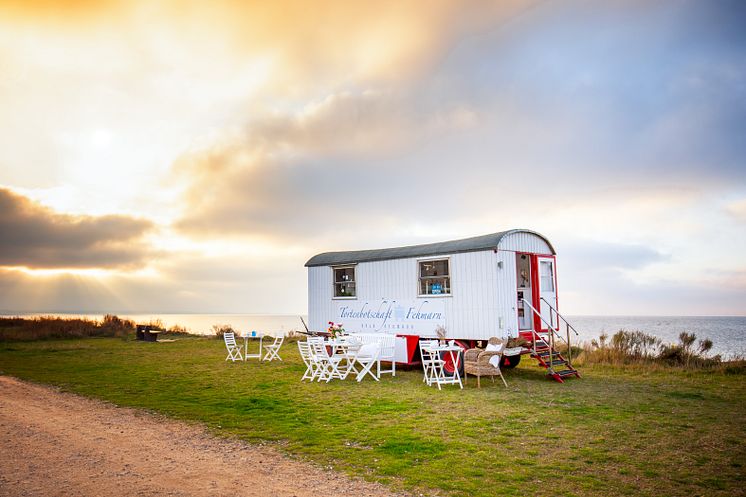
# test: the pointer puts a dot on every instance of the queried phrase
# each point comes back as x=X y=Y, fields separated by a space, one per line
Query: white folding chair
x=234 y=351
x=432 y=364
x=349 y=352
x=367 y=356
x=273 y=349
x=326 y=366
x=305 y=353
x=386 y=353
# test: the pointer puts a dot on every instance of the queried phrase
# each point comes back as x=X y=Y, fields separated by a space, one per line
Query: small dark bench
x=147 y=333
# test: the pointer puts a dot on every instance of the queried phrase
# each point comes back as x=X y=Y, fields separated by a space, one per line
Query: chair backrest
x=388 y=346
x=305 y=352
x=278 y=341
x=494 y=344
x=314 y=339
x=369 y=350
x=424 y=352
x=230 y=339
x=318 y=351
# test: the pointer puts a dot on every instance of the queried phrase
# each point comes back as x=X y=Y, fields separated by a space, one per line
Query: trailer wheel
x=511 y=361
x=448 y=368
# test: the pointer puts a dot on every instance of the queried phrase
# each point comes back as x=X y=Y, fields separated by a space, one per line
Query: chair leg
x=366 y=371
x=478 y=384
x=503 y=378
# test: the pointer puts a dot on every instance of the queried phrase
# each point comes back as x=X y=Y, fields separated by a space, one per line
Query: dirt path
x=54 y=443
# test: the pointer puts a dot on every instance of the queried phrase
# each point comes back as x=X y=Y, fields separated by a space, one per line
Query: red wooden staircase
x=543 y=345
x=557 y=366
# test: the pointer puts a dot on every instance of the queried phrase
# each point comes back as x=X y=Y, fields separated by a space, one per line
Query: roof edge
x=472 y=244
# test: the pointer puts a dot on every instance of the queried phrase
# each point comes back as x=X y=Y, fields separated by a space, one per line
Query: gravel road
x=54 y=443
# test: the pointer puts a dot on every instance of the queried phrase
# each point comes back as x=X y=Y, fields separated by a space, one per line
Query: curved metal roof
x=473 y=244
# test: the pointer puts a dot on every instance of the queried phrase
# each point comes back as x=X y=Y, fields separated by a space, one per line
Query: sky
x=176 y=156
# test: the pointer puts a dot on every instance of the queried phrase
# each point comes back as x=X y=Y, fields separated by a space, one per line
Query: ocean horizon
x=728 y=333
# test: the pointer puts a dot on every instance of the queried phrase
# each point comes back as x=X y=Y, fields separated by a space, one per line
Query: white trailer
x=502 y=284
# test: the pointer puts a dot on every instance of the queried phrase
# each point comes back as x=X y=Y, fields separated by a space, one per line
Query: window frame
x=335 y=282
x=420 y=278
x=549 y=278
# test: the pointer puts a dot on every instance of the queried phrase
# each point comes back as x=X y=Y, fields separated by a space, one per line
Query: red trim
x=531 y=270
x=412 y=341
x=535 y=301
x=541 y=326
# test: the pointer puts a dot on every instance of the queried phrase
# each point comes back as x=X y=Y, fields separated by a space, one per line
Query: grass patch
x=617 y=431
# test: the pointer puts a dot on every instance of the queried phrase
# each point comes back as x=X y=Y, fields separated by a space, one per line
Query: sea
x=728 y=333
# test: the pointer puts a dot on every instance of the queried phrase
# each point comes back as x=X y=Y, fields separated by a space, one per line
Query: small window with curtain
x=435 y=277
x=344 y=281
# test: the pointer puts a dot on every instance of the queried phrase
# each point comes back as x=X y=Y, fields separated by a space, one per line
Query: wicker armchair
x=477 y=361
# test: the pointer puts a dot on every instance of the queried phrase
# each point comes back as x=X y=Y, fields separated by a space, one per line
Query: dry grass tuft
x=638 y=348
x=48 y=327
x=222 y=329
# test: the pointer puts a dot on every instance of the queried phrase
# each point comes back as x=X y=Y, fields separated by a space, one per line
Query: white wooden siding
x=482 y=303
x=525 y=242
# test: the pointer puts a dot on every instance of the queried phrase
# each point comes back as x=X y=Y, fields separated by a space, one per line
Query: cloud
x=317 y=170
x=737 y=209
x=337 y=124
x=353 y=123
x=37 y=237
x=613 y=293
x=180 y=284
x=595 y=256
x=495 y=119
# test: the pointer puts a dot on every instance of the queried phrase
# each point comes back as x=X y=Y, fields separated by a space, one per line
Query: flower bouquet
x=335 y=329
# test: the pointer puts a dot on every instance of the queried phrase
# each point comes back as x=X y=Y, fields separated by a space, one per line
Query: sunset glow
x=191 y=156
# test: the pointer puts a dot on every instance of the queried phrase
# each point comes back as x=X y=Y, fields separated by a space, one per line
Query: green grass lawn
x=616 y=431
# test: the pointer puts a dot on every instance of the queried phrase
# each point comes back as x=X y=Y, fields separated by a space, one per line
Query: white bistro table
x=251 y=334
x=341 y=351
x=455 y=352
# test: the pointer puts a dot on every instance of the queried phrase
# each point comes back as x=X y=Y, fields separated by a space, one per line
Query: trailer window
x=435 y=278
x=547 y=276
x=344 y=281
x=524 y=271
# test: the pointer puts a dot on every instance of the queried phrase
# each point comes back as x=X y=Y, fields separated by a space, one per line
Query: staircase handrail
x=550 y=342
x=560 y=316
x=568 y=326
x=550 y=326
x=552 y=334
x=538 y=314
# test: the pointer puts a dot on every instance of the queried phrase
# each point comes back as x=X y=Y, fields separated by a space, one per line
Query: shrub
x=178 y=330
x=637 y=347
x=683 y=353
x=625 y=347
x=48 y=327
x=222 y=329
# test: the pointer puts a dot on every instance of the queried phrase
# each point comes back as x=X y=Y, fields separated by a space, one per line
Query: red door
x=544 y=289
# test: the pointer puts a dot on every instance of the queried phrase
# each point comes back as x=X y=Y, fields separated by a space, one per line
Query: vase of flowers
x=335 y=329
